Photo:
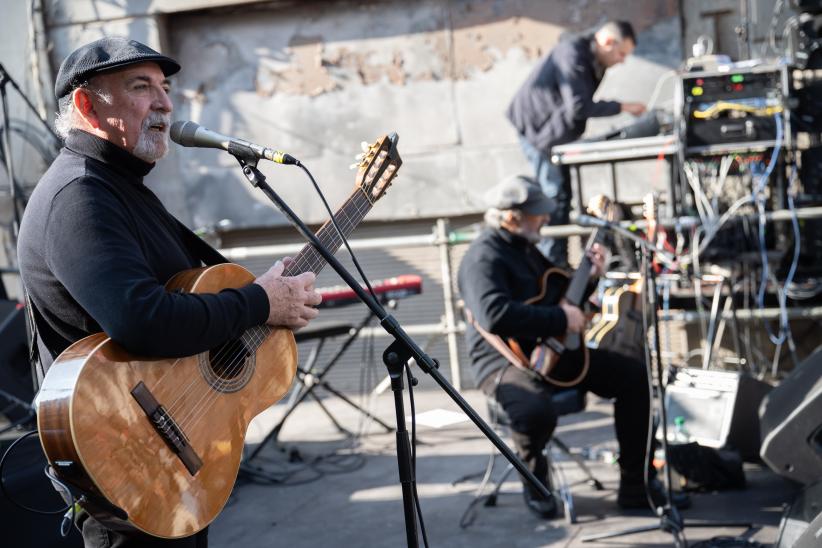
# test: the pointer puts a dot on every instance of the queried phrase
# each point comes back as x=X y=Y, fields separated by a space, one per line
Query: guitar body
x=562 y=360
x=619 y=328
x=99 y=437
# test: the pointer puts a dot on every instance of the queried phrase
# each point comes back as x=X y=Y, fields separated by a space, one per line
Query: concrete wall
x=316 y=78
x=741 y=30
x=22 y=57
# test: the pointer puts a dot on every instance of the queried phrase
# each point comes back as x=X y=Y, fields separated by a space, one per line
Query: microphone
x=191 y=134
x=590 y=220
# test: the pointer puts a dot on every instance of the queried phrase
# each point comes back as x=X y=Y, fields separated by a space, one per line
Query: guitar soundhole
x=228 y=360
x=228 y=367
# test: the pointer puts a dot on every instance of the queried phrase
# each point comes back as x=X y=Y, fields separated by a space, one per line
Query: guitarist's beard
x=525 y=232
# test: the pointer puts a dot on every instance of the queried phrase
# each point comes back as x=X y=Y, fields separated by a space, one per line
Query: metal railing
x=444 y=238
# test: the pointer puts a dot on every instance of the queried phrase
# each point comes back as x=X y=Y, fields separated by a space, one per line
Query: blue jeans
x=555 y=182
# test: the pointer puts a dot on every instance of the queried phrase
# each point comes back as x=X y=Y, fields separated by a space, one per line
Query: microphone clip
x=249 y=164
x=244 y=154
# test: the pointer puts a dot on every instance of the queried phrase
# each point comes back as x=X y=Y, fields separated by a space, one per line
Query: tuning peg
x=355 y=165
x=365 y=146
x=360 y=156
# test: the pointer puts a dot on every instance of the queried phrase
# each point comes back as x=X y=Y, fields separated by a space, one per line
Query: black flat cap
x=105 y=54
x=520 y=192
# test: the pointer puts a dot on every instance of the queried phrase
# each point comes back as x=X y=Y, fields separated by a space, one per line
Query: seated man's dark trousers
x=527 y=400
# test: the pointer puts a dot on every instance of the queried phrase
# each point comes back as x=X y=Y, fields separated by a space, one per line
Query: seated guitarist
x=96 y=245
x=503 y=268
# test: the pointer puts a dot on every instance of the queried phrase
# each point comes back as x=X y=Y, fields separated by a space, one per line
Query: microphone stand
x=16 y=194
x=395 y=357
x=5 y=79
x=670 y=520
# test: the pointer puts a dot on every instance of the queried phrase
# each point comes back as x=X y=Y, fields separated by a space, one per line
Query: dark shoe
x=632 y=495
x=539 y=505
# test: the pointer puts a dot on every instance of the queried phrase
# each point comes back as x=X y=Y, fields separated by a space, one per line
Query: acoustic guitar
x=563 y=360
x=155 y=444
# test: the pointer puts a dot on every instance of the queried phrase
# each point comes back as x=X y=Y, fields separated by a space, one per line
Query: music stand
x=670 y=520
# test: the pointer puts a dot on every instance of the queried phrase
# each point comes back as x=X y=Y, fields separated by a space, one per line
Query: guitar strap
x=201 y=250
x=497 y=342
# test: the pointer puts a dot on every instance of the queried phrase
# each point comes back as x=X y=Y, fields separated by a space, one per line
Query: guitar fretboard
x=350 y=214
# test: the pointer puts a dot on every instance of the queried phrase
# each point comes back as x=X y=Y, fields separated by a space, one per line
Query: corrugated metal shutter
x=352 y=373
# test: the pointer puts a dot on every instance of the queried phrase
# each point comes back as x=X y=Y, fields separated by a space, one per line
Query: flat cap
x=105 y=54
x=522 y=193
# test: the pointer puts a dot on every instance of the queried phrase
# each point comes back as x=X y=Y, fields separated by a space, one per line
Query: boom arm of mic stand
x=398 y=353
x=663 y=255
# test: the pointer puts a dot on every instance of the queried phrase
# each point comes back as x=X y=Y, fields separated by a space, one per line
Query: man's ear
x=84 y=105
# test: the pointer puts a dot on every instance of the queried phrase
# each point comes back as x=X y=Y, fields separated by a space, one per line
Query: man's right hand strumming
x=291 y=299
x=575 y=319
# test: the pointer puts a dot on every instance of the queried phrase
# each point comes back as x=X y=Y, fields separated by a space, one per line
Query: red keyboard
x=398 y=287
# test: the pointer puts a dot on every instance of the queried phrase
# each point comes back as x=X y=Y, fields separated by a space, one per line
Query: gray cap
x=522 y=193
x=105 y=54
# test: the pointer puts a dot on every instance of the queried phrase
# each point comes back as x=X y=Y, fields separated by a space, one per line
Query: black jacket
x=497 y=274
x=553 y=105
x=96 y=247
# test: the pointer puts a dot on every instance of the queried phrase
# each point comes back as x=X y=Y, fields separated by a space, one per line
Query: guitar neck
x=348 y=216
x=582 y=277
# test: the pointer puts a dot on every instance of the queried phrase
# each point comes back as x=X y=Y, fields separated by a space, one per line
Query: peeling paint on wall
x=473 y=37
x=305 y=74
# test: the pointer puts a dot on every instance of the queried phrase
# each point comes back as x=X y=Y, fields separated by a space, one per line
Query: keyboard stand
x=310 y=379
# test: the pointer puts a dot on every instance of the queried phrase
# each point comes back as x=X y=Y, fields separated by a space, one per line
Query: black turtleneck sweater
x=498 y=273
x=95 y=249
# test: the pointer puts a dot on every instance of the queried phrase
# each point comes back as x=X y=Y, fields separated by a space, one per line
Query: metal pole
x=443 y=229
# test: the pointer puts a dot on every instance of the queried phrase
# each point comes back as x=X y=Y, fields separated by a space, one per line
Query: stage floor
x=353 y=498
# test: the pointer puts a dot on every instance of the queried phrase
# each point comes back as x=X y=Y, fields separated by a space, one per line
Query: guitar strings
x=300 y=261
x=308 y=259
x=361 y=209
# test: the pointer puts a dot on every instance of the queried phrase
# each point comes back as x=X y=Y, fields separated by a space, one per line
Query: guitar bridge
x=167 y=428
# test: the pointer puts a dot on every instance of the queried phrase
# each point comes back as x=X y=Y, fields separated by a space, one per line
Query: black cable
x=411 y=381
x=408 y=371
x=643 y=261
x=51 y=476
x=339 y=232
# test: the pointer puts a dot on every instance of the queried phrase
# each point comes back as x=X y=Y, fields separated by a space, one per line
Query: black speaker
x=791 y=422
x=16 y=385
x=719 y=408
x=801 y=525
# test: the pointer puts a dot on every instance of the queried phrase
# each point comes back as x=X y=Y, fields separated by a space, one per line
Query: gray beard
x=531 y=236
x=152 y=145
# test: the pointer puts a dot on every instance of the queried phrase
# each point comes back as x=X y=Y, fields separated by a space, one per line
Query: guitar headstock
x=377 y=166
x=603 y=207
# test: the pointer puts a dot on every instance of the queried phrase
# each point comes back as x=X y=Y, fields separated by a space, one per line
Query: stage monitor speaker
x=801 y=525
x=719 y=408
x=15 y=371
x=791 y=422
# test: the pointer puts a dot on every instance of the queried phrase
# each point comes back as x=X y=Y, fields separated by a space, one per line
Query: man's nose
x=162 y=101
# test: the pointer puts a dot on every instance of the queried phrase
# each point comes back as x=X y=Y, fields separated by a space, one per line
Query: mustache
x=155 y=118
